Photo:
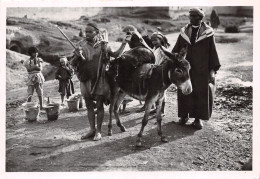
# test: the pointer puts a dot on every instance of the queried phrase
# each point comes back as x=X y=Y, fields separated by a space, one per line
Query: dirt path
x=55 y=146
x=225 y=142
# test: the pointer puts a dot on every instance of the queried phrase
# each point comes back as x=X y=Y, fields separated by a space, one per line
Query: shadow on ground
x=56 y=146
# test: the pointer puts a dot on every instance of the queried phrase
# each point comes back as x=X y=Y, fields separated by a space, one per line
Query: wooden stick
x=69 y=41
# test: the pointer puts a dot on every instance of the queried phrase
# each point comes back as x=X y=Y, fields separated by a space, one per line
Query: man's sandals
x=197 y=123
x=183 y=120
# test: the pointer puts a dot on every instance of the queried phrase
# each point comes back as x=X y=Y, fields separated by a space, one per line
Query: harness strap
x=163 y=78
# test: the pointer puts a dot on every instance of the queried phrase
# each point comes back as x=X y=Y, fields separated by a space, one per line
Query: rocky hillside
x=23 y=32
x=16 y=73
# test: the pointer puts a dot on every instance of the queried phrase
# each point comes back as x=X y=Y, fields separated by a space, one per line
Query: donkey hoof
x=164 y=139
x=138 y=144
x=109 y=133
x=123 y=129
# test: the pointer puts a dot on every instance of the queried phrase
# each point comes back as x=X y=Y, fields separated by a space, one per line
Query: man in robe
x=203 y=58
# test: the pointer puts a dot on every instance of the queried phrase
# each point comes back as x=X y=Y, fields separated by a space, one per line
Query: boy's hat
x=158 y=35
x=63 y=59
x=129 y=28
x=94 y=25
x=162 y=37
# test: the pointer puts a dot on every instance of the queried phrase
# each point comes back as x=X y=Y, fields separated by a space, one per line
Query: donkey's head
x=179 y=71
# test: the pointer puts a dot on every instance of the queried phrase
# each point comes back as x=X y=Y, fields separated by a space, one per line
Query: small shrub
x=214 y=19
x=96 y=20
x=83 y=18
x=10 y=22
x=59 y=23
x=183 y=17
x=101 y=20
x=231 y=29
x=156 y=23
x=226 y=40
x=44 y=41
x=104 y=20
x=146 y=21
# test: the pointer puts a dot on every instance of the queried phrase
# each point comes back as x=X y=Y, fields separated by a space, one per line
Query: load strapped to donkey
x=127 y=67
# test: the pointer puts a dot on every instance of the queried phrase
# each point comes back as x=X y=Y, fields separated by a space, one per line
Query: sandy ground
x=224 y=144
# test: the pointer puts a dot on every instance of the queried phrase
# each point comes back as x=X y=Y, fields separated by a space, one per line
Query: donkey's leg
x=159 y=119
x=111 y=110
x=120 y=98
x=148 y=106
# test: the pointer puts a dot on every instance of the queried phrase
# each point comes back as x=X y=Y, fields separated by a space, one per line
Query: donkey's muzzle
x=186 y=87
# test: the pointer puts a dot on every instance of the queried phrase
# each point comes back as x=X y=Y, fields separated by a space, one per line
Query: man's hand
x=212 y=76
x=78 y=52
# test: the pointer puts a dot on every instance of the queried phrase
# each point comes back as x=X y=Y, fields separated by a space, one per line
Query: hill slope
x=16 y=73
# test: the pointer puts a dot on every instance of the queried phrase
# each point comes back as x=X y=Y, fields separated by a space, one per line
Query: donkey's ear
x=168 y=54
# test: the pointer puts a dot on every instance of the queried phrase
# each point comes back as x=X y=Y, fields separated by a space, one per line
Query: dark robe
x=64 y=76
x=94 y=85
x=203 y=57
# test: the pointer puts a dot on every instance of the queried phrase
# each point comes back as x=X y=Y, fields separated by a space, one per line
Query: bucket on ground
x=52 y=111
x=73 y=105
x=31 y=110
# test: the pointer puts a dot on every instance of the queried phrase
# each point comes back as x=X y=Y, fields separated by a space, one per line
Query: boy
x=64 y=75
x=35 y=78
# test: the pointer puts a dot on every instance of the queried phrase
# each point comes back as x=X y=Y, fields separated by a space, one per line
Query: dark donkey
x=149 y=88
